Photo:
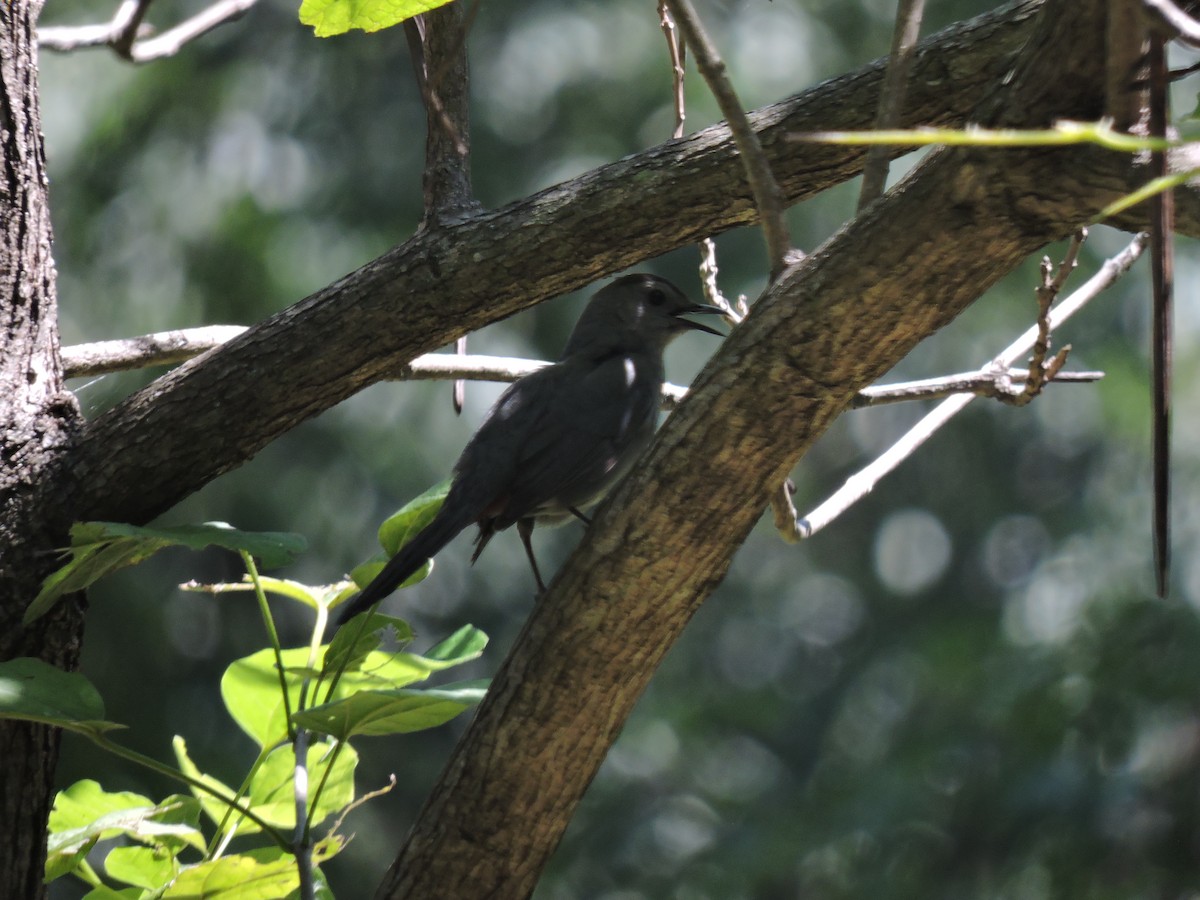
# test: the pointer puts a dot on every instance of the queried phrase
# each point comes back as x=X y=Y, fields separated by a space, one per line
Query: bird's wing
x=597 y=416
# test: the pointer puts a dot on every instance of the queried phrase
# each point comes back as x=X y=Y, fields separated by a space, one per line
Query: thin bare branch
x=988 y=382
x=164 y=348
x=891 y=96
x=677 y=51
x=734 y=312
x=1172 y=20
x=119 y=34
x=767 y=196
x=1040 y=372
x=863 y=482
x=172 y=347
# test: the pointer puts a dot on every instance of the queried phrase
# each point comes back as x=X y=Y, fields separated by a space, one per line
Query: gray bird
x=560 y=437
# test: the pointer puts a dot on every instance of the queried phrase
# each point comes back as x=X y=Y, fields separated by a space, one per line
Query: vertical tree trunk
x=37 y=420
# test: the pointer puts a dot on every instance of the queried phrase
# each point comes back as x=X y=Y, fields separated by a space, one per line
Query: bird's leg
x=525 y=529
x=580 y=516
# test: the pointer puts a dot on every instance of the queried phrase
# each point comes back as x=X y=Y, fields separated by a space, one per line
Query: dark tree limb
x=437 y=41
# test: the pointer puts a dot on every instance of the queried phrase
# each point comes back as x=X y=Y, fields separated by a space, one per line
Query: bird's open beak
x=699 y=309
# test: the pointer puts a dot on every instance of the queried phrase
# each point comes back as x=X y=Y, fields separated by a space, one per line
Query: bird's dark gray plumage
x=557 y=439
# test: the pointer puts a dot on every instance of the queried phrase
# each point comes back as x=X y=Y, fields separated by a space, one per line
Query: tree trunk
x=38 y=419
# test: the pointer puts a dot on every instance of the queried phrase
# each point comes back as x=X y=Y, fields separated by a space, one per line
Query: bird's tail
x=450 y=520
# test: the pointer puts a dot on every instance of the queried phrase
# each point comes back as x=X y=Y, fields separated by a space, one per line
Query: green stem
x=162 y=769
x=218 y=842
x=269 y=622
x=85 y=873
x=316 y=797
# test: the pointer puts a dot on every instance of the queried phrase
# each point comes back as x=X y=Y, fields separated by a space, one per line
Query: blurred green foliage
x=963 y=688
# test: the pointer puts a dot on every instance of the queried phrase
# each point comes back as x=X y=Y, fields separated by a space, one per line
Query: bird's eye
x=656 y=297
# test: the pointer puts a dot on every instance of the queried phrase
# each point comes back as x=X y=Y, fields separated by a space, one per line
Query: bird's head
x=636 y=312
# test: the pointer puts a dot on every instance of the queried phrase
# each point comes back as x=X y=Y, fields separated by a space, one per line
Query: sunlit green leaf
x=85 y=813
x=212 y=807
x=36 y=691
x=330 y=17
x=266 y=874
x=99 y=548
x=146 y=867
x=103 y=892
x=350 y=646
x=398 y=711
x=251 y=691
x=272 y=789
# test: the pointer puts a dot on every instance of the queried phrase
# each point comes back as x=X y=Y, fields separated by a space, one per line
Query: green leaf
x=364 y=573
x=85 y=813
x=465 y=644
x=330 y=17
x=66 y=859
x=272 y=789
x=98 y=548
x=250 y=689
x=38 y=692
x=350 y=646
x=397 y=530
x=103 y=892
x=146 y=867
x=398 y=711
x=212 y=807
x=250 y=686
x=403 y=525
x=241 y=877
x=266 y=874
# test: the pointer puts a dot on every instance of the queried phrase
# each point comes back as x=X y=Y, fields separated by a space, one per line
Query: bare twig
x=165 y=348
x=734 y=312
x=767 y=196
x=171 y=347
x=124 y=34
x=459 y=394
x=991 y=381
x=891 y=95
x=678 y=52
x=1173 y=20
x=863 y=482
x=1041 y=372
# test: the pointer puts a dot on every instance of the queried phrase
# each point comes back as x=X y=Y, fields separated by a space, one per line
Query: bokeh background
x=963 y=688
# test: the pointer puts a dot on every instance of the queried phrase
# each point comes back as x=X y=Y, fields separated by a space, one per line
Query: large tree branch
x=175 y=436
x=834 y=323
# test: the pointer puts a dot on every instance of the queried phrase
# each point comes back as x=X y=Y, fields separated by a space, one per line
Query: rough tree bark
x=37 y=423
